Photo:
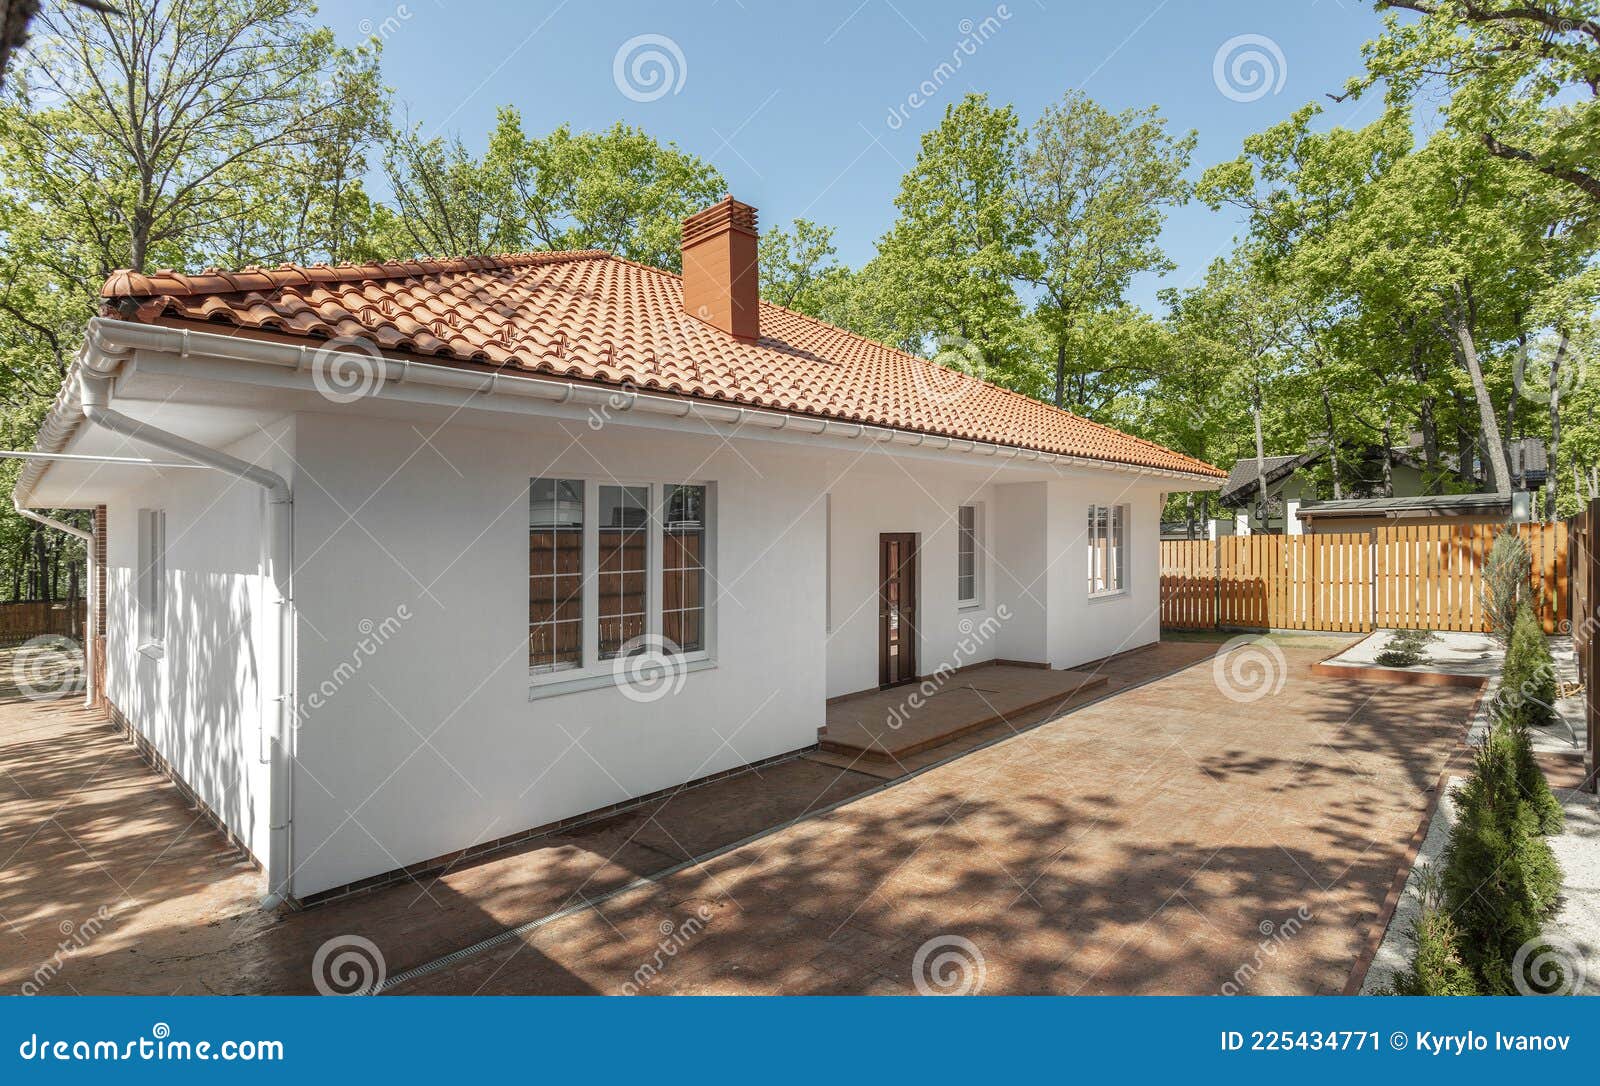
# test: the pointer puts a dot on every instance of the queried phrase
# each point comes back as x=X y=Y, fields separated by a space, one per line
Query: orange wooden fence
x=25 y=619
x=1352 y=582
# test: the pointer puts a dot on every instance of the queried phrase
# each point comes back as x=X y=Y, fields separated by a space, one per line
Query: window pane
x=555 y=574
x=624 y=551
x=683 y=577
x=1114 y=577
x=967 y=554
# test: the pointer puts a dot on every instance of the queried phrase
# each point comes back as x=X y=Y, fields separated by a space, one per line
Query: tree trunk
x=1494 y=448
x=1333 y=444
x=1555 y=425
x=1061 y=373
x=1261 y=459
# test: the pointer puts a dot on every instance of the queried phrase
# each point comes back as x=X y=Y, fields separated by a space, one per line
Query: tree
x=175 y=119
x=1094 y=187
x=1522 y=77
x=950 y=263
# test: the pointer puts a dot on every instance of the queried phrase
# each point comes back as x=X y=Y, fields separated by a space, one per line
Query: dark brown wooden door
x=897 y=608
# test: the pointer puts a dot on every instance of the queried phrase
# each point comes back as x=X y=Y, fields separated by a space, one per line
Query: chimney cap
x=726 y=214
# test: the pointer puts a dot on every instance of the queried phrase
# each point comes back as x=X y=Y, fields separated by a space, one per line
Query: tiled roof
x=595 y=317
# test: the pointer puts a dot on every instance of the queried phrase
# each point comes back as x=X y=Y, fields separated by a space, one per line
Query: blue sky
x=793 y=102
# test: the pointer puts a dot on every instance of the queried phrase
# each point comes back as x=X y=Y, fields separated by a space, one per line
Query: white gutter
x=95 y=372
x=113 y=337
x=89 y=595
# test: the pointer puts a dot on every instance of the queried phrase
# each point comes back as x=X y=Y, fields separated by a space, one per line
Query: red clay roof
x=596 y=317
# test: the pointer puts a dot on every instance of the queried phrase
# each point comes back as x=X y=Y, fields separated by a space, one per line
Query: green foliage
x=1501 y=880
x=1094 y=186
x=1527 y=686
x=1503 y=585
x=1406 y=648
x=1436 y=968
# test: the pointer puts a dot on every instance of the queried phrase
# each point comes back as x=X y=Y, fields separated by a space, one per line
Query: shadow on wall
x=199 y=702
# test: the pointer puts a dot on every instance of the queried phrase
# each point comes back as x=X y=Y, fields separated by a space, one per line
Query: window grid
x=683 y=571
x=624 y=533
x=967 y=555
x=1105 y=548
x=555 y=568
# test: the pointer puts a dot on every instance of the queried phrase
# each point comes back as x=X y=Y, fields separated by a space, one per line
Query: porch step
x=889 y=725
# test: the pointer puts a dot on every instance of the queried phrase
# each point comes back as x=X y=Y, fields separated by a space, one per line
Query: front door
x=897 y=608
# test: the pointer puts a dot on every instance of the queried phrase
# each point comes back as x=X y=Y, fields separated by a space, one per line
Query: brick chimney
x=721 y=281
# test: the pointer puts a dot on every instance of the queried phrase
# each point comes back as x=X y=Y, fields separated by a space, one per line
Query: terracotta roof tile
x=593 y=316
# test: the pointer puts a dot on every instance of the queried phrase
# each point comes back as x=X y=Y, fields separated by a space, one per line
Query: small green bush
x=1530 y=670
x=1501 y=881
x=1436 y=965
x=1506 y=573
x=1406 y=648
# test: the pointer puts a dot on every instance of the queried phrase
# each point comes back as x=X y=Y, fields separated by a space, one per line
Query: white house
x=403 y=559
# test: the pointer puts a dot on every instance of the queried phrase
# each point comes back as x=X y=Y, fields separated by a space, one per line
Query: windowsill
x=1115 y=593
x=969 y=605
x=153 y=649
x=554 y=685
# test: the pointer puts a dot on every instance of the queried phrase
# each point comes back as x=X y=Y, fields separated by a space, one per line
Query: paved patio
x=1165 y=838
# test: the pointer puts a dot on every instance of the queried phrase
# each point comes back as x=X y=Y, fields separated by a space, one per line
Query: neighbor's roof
x=1244 y=474
x=1420 y=505
x=596 y=317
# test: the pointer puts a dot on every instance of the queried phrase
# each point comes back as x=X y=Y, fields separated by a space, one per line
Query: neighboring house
x=1293 y=507
x=489 y=543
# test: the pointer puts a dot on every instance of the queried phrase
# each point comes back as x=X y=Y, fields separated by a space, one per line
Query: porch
x=889 y=725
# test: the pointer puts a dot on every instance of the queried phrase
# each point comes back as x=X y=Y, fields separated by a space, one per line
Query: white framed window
x=969 y=548
x=1107 y=568
x=150 y=579
x=615 y=569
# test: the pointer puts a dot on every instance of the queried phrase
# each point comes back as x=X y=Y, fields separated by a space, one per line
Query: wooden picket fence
x=1424 y=578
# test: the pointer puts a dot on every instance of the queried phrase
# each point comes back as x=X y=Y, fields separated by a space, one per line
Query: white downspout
x=95 y=394
x=89 y=594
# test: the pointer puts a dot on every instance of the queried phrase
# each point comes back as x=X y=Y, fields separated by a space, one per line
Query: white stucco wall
x=431 y=743
x=199 y=700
